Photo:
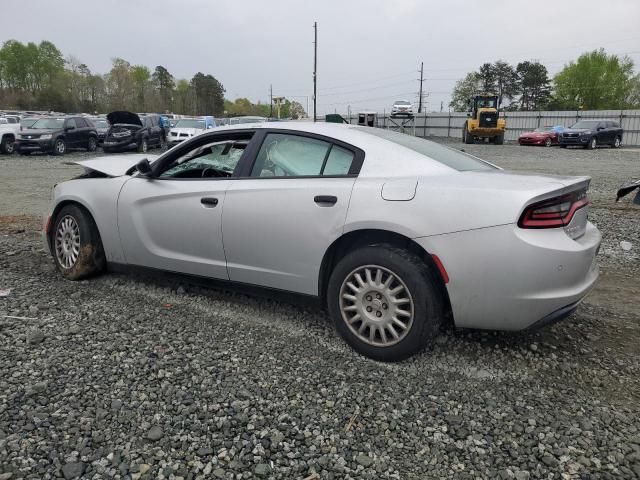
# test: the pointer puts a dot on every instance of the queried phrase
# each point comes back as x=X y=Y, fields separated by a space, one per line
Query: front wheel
x=143 y=146
x=7 y=145
x=617 y=143
x=59 y=147
x=593 y=143
x=548 y=142
x=76 y=245
x=385 y=302
x=499 y=140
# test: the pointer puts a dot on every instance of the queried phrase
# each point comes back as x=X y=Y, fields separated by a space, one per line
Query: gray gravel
x=133 y=377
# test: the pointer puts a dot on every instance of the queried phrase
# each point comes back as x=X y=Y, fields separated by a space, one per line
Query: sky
x=369 y=51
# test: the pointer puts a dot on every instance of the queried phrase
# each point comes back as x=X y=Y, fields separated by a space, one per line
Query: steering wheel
x=207 y=172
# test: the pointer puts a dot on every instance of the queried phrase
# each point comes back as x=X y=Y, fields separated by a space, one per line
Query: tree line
x=595 y=81
x=38 y=77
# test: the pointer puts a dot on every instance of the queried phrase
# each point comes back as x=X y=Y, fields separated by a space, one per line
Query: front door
x=278 y=223
x=72 y=133
x=173 y=221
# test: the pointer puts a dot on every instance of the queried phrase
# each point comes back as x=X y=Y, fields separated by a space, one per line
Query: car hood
x=116 y=165
x=191 y=131
x=536 y=134
x=122 y=116
x=577 y=130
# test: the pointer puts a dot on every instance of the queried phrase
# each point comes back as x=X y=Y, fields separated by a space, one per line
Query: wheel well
x=7 y=135
x=59 y=207
x=360 y=238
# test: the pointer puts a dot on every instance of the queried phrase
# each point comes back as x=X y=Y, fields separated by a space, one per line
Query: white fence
x=449 y=124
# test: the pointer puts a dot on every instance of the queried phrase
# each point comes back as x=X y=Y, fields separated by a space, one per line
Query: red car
x=546 y=136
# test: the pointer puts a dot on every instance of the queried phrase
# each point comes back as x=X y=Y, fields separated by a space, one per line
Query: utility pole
x=271 y=101
x=421 y=81
x=315 y=68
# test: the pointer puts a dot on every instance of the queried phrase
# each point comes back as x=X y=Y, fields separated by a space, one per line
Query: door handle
x=209 y=201
x=332 y=199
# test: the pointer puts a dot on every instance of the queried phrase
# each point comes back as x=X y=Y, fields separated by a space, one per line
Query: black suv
x=130 y=131
x=591 y=133
x=56 y=135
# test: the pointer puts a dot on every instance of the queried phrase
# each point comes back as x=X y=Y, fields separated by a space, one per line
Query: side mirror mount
x=468 y=114
x=144 y=167
x=68 y=128
x=600 y=128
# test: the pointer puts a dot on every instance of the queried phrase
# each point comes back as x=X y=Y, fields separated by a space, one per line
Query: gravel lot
x=135 y=377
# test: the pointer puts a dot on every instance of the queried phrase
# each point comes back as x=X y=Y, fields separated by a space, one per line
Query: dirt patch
x=13 y=224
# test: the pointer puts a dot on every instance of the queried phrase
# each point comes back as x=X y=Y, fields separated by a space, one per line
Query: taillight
x=555 y=212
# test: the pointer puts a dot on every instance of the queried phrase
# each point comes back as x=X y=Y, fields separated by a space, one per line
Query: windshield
x=49 y=123
x=544 y=129
x=402 y=102
x=100 y=123
x=486 y=103
x=447 y=156
x=586 y=124
x=189 y=123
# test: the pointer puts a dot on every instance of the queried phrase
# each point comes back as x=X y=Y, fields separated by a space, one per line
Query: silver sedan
x=393 y=234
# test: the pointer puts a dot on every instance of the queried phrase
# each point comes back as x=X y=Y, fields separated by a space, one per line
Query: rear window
x=447 y=156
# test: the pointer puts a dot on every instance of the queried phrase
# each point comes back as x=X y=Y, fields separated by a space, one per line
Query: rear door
x=72 y=133
x=287 y=209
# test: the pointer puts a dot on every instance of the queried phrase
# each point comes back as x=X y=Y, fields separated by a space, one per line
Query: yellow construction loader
x=484 y=121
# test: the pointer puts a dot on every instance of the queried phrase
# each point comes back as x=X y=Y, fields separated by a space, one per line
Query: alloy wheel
x=376 y=305
x=60 y=147
x=67 y=242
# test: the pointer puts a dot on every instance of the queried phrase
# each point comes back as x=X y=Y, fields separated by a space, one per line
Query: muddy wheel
x=76 y=245
x=59 y=147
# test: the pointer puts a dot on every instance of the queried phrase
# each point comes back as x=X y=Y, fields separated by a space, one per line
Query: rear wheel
x=92 y=144
x=7 y=145
x=77 y=248
x=593 y=143
x=385 y=302
x=59 y=147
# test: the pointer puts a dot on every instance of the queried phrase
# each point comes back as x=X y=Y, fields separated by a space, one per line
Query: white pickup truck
x=9 y=130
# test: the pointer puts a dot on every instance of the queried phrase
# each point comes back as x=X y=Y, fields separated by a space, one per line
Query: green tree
x=633 y=99
x=534 y=85
x=140 y=77
x=596 y=81
x=164 y=84
x=208 y=93
x=183 y=101
x=464 y=89
x=120 y=85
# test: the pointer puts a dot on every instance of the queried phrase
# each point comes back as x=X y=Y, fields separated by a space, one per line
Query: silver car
x=392 y=233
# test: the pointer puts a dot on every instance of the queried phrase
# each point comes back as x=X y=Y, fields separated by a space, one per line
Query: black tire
x=143 y=146
x=25 y=154
x=92 y=144
x=422 y=285
x=466 y=136
x=563 y=146
x=59 y=147
x=617 y=142
x=8 y=145
x=548 y=142
x=91 y=259
x=593 y=144
x=499 y=139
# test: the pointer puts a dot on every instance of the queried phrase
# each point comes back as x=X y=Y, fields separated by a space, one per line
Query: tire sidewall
x=91 y=257
x=56 y=150
x=92 y=145
x=144 y=146
x=428 y=304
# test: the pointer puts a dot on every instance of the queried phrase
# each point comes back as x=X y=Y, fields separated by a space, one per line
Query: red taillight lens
x=555 y=212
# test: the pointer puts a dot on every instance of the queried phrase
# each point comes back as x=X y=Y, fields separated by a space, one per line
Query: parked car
x=402 y=107
x=546 y=136
x=8 y=133
x=185 y=128
x=247 y=119
x=392 y=248
x=592 y=133
x=130 y=131
x=102 y=127
x=57 y=135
